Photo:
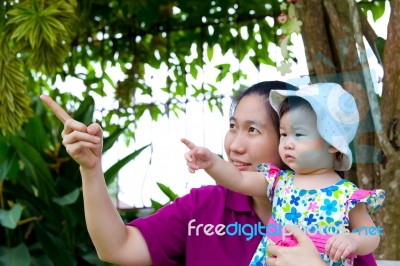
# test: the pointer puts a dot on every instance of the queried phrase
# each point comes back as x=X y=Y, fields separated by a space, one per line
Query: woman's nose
x=237 y=144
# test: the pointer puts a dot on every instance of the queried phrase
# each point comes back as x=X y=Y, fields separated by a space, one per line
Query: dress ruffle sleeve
x=271 y=173
x=373 y=199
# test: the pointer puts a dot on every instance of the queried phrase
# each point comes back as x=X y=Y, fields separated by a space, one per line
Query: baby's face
x=301 y=147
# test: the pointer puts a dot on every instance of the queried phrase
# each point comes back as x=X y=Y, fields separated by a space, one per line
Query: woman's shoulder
x=208 y=192
x=216 y=197
x=197 y=203
x=202 y=194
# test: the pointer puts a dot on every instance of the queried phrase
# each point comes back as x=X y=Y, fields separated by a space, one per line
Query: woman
x=190 y=231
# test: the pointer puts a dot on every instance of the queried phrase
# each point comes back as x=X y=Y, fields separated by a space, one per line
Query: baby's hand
x=340 y=247
x=197 y=157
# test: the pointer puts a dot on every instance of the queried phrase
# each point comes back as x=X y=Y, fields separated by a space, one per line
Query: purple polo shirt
x=199 y=229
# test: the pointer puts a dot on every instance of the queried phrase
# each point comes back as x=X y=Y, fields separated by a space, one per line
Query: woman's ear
x=332 y=149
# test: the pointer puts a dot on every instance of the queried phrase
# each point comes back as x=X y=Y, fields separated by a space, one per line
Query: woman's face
x=251 y=138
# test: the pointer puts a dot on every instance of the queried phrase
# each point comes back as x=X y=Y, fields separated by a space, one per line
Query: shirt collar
x=239 y=202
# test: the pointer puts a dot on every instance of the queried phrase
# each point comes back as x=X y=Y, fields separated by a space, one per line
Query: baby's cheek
x=317 y=158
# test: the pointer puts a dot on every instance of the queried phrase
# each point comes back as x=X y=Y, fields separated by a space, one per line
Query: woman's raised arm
x=114 y=241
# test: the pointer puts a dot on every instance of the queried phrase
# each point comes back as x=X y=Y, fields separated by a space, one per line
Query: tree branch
x=373 y=101
x=369 y=34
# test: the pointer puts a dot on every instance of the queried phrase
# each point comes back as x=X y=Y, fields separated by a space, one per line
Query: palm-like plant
x=41 y=206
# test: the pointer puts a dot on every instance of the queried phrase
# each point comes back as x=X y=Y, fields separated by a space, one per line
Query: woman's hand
x=83 y=143
x=197 y=157
x=305 y=253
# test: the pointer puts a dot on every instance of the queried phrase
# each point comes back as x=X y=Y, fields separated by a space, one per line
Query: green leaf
x=377 y=8
x=167 y=191
x=85 y=111
x=5 y=163
x=21 y=31
x=219 y=106
x=50 y=11
x=93 y=259
x=210 y=53
x=8 y=168
x=156 y=205
x=36 y=134
x=5 y=166
x=54 y=247
x=180 y=90
x=112 y=172
x=210 y=105
x=380 y=44
x=139 y=110
x=224 y=71
x=107 y=77
x=213 y=88
x=41 y=260
x=194 y=71
x=55 y=24
x=11 y=217
x=17 y=256
x=36 y=167
x=69 y=198
x=110 y=140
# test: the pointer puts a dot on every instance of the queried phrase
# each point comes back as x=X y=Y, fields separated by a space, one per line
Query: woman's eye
x=253 y=129
x=231 y=125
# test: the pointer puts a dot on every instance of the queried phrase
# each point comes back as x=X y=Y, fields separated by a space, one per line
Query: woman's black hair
x=263 y=89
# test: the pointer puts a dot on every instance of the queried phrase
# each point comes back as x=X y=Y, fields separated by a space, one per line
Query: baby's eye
x=299 y=134
x=283 y=134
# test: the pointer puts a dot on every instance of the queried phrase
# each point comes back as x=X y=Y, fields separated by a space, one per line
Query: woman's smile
x=242 y=166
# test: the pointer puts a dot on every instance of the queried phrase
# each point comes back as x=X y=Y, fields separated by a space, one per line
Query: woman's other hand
x=305 y=253
x=83 y=143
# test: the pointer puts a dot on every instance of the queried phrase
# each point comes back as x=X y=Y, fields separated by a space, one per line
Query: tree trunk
x=390 y=166
x=332 y=55
x=316 y=38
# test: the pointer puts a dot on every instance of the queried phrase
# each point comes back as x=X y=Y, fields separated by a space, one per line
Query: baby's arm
x=360 y=242
x=223 y=172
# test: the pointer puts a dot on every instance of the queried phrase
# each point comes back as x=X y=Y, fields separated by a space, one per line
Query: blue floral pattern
x=317 y=207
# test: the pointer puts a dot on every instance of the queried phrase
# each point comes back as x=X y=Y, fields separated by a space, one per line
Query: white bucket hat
x=337 y=115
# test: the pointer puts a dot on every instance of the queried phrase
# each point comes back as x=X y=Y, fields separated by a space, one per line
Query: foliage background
x=42 y=40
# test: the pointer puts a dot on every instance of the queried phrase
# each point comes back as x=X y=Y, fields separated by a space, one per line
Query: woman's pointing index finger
x=57 y=109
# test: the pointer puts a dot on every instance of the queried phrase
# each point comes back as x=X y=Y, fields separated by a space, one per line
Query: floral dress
x=316 y=210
